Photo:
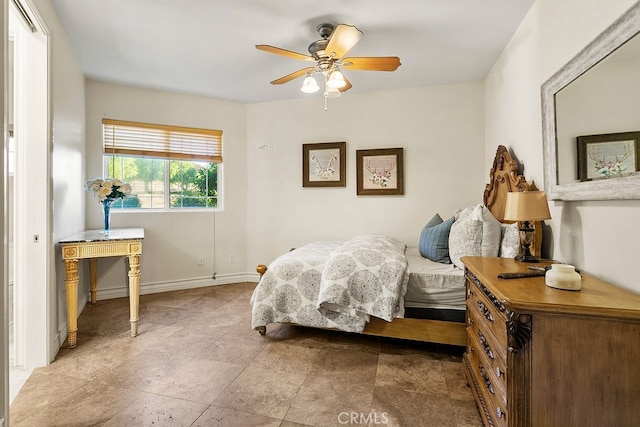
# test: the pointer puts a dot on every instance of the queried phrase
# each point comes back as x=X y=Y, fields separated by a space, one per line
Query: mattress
x=432 y=284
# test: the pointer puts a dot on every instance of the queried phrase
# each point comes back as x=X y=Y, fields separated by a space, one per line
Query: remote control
x=520 y=275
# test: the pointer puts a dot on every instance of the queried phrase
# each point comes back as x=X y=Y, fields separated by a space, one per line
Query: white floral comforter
x=334 y=284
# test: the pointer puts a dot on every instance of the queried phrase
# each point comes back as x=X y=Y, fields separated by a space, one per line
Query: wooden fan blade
x=292 y=76
x=347 y=86
x=372 y=63
x=343 y=38
x=284 y=52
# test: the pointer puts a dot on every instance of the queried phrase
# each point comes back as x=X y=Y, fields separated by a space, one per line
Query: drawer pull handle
x=485 y=345
x=498 y=372
x=485 y=311
x=499 y=412
x=487 y=381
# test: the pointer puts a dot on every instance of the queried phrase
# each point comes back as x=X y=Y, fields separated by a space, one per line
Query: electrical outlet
x=201 y=260
x=232 y=259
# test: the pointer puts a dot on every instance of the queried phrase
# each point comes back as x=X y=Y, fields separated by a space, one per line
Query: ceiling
x=207 y=47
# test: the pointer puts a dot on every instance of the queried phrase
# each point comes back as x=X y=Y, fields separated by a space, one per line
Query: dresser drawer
x=481 y=310
x=493 y=396
x=491 y=356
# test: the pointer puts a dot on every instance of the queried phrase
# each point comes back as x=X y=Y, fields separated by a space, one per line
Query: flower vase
x=106 y=211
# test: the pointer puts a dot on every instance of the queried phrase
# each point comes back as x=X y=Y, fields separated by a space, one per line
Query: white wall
x=173 y=240
x=598 y=237
x=441 y=129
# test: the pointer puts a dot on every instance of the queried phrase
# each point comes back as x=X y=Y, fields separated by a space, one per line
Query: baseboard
x=178 y=285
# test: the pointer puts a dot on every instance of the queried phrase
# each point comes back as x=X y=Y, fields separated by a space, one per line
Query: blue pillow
x=434 y=239
x=423 y=243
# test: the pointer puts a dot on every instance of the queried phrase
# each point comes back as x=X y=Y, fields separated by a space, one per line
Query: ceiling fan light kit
x=328 y=54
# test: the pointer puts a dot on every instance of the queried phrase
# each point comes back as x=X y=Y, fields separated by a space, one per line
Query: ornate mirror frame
x=622 y=30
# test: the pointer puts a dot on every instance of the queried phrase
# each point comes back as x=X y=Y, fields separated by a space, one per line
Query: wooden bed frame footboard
x=435 y=331
x=425 y=330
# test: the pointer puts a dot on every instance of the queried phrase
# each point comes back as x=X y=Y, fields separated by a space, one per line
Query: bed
x=376 y=285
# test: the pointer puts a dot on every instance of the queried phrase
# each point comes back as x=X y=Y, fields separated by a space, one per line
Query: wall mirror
x=590 y=114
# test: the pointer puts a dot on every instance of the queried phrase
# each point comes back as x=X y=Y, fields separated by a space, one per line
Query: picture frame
x=608 y=155
x=324 y=164
x=380 y=172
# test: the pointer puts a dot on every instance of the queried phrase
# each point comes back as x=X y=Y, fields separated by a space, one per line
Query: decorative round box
x=563 y=276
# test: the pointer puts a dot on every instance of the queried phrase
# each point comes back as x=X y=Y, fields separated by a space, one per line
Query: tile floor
x=196 y=362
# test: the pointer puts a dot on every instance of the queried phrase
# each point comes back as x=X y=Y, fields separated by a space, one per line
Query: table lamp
x=526 y=207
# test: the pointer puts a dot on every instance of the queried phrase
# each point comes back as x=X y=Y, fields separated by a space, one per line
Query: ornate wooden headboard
x=504 y=178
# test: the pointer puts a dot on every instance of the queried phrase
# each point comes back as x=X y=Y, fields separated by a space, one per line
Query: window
x=168 y=167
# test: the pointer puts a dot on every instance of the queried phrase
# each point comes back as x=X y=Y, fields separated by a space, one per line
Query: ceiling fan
x=328 y=54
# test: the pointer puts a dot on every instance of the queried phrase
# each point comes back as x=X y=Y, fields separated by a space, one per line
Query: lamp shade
x=527 y=206
x=309 y=85
x=336 y=80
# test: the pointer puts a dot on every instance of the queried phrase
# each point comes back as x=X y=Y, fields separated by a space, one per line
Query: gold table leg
x=134 y=292
x=71 y=282
x=93 y=270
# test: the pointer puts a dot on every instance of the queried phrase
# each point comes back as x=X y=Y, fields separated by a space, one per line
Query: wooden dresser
x=539 y=356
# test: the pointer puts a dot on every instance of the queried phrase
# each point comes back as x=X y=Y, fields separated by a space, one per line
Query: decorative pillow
x=491 y=231
x=510 y=243
x=435 y=220
x=465 y=237
x=462 y=213
x=480 y=221
x=434 y=239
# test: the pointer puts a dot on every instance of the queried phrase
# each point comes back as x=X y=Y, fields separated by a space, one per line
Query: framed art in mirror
x=380 y=172
x=324 y=164
x=570 y=92
x=612 y=155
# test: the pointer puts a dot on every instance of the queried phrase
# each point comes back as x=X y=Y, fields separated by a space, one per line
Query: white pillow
x=475 y=232
x=510 y=244
x=491 y=232
x=465 y=237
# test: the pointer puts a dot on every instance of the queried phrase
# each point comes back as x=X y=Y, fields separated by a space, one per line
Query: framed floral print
x=609 y=155
x=324 y=164
x=380 y=172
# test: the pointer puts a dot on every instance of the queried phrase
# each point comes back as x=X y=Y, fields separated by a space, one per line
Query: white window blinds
x=161 y=141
